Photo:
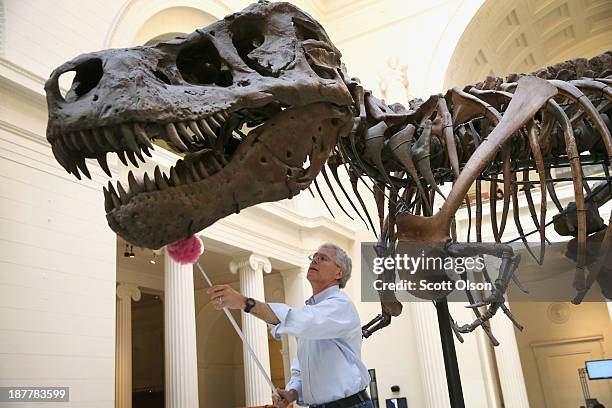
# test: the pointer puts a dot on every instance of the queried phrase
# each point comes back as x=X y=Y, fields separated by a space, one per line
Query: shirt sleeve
x=295 y=382
x=330 y=319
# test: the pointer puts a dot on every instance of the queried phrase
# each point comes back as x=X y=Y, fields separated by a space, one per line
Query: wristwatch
x=249 y=304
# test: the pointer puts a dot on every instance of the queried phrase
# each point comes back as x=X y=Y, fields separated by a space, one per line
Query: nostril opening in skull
x=88 y=75
x=65 y=79
x=200 y=64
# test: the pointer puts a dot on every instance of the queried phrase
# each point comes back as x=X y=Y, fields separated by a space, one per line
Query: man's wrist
x=293 y=395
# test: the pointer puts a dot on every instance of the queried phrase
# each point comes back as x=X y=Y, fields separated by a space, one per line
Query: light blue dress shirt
x=328 y=364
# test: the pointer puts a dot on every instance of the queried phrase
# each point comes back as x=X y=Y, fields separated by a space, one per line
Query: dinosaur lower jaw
x=152 y=219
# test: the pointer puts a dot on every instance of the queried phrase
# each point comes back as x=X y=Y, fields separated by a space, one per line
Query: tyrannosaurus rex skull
x=269 y=71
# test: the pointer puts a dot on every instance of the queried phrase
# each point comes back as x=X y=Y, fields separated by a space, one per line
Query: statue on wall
x=393 y=82
x=271 y=68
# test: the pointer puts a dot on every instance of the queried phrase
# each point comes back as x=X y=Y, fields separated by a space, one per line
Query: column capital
x=253 y=262
x=128 y=290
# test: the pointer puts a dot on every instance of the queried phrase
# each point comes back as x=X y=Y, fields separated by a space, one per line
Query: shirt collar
x=325 y=294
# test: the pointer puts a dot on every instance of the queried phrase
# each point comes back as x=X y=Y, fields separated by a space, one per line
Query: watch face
x=249 y=304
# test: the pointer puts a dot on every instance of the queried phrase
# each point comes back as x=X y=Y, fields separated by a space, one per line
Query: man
x=327 y=371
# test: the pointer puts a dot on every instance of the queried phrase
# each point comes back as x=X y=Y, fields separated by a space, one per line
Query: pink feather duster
x=186 y=251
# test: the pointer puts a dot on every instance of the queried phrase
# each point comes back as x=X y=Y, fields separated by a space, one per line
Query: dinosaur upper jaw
x=223 y=171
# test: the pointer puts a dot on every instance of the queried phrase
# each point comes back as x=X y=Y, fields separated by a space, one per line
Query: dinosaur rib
x=551 y=190
x=570 y=91
x=527 y=100
x=493 y=207
x=517 y=216
x=576 y=169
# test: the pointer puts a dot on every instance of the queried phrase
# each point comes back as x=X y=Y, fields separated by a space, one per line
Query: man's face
x=323 y=268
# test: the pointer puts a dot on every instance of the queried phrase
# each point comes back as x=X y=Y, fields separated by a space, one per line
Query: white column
x=257 y=391
x=509 y=367
x=431 y=359
x=181 y=372
x=126 y=292
x=297 y=290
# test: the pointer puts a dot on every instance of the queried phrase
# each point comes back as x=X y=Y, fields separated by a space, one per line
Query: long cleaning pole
x=241 y=335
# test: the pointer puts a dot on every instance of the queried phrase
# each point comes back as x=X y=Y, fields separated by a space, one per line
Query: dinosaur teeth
x=215 y=163
x=80 y=162
x=221 y=158
x=135 y=187
x=208 y=131
x=174 y=138
x=67 y=141
x=74 y=138
x=123 y=196
x=142 y=136
x=184 y=133
x=60 y=153
x=213 y=122
x=129 y=138
x=193 y=173
x=87 y=139
x=145 y=150
x=219 y=117
x=131 y=157
x=174 y=178
x=100 y=139
x=201 y=169
x=194 y=128
x=121 y=156
x=114 y=198
x=104 y=164
x=159 y=179
x=148 y=184
x=131 y=141
x=108 y=207
x=110 y=137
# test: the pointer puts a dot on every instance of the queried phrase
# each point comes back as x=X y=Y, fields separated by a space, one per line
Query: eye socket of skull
x=248 y=35
x=199 y=63
x=261 y=47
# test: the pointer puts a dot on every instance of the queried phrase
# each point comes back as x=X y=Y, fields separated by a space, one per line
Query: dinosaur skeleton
x=259 y=102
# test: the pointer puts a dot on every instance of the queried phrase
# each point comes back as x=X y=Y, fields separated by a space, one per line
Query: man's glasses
x=316 y=257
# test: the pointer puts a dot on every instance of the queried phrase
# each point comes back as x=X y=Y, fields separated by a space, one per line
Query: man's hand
x=224 y=296
x=284 y=398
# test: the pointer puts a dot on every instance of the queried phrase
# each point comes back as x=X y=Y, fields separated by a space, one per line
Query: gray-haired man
x=327 y=371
